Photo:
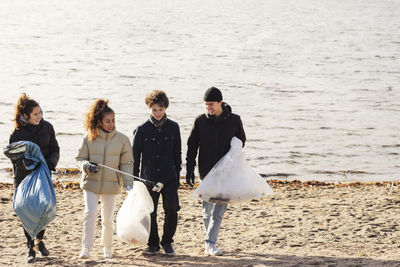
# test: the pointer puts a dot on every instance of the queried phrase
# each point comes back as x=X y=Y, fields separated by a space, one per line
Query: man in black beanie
x=211 y=135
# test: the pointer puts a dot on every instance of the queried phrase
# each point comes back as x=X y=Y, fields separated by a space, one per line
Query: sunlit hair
x=24 y=106
x=95 y=116
x=157 y=97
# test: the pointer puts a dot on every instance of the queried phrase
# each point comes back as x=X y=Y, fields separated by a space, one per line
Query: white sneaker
x=107 y=253
x=212 y=250
x=85 y=253
x=206 y=248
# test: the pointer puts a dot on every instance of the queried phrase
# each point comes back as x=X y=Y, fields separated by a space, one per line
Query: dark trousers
x=169 y=195
x=31 y=242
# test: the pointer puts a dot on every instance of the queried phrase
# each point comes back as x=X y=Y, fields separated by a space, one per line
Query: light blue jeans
x=212 y=218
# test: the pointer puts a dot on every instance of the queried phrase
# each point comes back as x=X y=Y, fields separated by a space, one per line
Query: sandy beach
x=303 y=224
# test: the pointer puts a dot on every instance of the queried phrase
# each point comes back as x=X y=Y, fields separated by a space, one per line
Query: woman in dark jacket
x=30 y=126
x=157 y=147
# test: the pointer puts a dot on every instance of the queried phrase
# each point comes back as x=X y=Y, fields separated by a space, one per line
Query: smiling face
x=108 y=122
x=157 y=111
x=214 y=108
x=35 y=116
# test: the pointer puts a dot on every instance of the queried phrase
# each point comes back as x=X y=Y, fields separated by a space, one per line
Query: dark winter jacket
x=212 y=136
x=158 y=151
x=43 y=135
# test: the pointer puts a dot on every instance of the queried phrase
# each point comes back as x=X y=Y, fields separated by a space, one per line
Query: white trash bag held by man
x=232 y=180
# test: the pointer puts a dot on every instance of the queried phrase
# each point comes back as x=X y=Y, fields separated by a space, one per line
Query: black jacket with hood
x=212 y=136
x=44 y=136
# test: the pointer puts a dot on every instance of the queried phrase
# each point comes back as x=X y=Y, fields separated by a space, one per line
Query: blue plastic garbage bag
x=34 y=198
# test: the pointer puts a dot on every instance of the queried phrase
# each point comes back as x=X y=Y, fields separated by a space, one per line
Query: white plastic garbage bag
x=133 y=219
x=232 y=180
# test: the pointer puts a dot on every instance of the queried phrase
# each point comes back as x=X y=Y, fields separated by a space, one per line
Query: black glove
x=15 y=151
x=27 y=162
x=92 y=167
x=190 y=178
x=37 y=166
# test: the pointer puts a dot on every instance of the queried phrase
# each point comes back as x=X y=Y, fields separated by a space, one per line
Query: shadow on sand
x=239 y=259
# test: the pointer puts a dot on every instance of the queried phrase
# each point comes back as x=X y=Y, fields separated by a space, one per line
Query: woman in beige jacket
x=104 y=145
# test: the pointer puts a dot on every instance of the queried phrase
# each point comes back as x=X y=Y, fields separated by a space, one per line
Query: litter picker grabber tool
x=157 y=186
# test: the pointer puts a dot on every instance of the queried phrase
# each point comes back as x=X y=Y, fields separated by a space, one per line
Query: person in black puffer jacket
x=157 y=147
x=30 y=126
x=211 y=135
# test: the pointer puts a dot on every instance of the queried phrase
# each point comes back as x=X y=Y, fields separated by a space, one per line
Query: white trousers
x=108 y=202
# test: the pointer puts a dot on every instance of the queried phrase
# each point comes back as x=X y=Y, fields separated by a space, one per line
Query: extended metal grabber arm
x=156 y=186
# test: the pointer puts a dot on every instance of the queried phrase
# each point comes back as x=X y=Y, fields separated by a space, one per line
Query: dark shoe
x=151 y=250
x=31 y=256
x=169 y=250
x=43 y=250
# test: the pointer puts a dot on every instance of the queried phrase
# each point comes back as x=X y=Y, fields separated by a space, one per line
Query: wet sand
x=302 y=224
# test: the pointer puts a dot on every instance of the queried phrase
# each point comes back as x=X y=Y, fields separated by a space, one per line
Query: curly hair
x=24 y=106
x=94 y=117
x=157 y=97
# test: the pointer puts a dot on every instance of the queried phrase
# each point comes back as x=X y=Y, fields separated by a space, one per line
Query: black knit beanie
x=213 y=94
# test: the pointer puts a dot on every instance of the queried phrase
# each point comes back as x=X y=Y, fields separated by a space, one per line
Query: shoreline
x=74 y=185
x=74 y=175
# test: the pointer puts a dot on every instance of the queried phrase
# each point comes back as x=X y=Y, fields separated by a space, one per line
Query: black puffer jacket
x=158 y=152
x=212 y=137
x=43 y=135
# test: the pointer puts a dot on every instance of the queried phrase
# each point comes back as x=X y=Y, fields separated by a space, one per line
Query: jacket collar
x=105 y=135
x=226 y=112
x=29 y=126
x=158 y=124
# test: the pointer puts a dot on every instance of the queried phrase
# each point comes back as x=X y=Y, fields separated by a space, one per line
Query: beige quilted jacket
x=110 y=149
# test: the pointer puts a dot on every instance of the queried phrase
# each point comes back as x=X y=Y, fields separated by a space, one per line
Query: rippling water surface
x=317 y=83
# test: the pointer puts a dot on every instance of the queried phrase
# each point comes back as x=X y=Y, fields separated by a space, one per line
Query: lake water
x=317 y=83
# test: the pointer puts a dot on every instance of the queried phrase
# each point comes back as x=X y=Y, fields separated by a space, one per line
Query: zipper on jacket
x=216 y=143
x=102 y=171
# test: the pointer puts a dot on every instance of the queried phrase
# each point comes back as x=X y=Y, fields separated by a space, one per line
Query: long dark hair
x=24 y=106
x=94 y=117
